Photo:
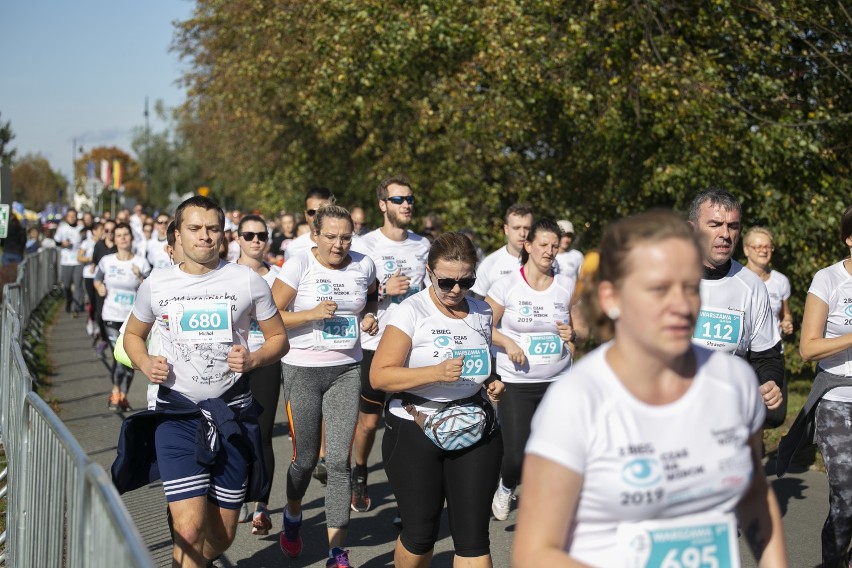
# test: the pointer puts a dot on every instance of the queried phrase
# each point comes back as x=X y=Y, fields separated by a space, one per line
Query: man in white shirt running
x=735 y=316
x=516 y=226
x=203 y=309
x=315 y=198
x=400 y=258
x=568 y=260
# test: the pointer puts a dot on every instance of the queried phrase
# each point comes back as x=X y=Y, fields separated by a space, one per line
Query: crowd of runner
x=652 y=438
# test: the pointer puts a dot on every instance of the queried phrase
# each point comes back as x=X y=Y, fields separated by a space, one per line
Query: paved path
x=81 y=386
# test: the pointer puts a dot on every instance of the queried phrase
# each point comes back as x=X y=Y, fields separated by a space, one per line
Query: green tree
x=589 y=110
x=6 y=136
x=167 y=160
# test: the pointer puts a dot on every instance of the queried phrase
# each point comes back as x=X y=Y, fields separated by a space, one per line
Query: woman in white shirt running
x=647 y=454
x=827 y=339
x=327 y=296
x=758 y=247
x=265 y=382
x=434 y=351
x=534 y=342
x=117 y=278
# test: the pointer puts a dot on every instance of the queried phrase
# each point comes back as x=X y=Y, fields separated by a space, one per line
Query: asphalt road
x=81 y=386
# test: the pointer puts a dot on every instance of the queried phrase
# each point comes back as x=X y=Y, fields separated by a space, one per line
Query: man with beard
x=400 y=258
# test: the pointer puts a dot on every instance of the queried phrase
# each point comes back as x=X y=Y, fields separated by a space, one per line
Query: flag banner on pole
x=116 y=174
x=105 y=173
x=90 y=170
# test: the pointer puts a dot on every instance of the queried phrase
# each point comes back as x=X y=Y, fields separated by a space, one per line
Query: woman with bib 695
x=650 y=443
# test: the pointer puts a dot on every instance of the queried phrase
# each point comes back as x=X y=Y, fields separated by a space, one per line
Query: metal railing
x=61 y=508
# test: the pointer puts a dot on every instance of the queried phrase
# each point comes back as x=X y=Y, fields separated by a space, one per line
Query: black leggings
x=422 y=476
x=122 y=376
x=265 y=385
x=516 y=409
x=89 y=284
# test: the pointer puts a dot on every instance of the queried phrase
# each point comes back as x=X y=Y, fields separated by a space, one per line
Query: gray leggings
x=72 y=281
x=833 y=434
x=311 y=394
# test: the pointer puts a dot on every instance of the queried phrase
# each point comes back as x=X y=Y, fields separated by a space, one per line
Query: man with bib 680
x=206 y=441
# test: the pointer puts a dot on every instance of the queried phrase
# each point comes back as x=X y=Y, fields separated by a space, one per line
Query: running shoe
x=360 y=498
x=501 y=503
x=261 y=523
x=90 y=328
x=290 y=539
x=100 y=348
x=123 y=405
x=339 y=558
x=321 y=472
x=114 y=403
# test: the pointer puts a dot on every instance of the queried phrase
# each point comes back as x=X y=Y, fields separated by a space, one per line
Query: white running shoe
x=501 y=503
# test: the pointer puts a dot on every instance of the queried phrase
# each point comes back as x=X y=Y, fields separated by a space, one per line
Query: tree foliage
x=131 y=177
x=167 y=161
x=7 y=154
x=590 y=110
x=35 y=183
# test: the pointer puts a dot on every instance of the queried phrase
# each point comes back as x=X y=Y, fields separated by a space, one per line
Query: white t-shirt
x=233 y=251
x=436 y=337
x=65 y=232
x=156 y=253
x=88 y=247
x=642 y=462
x=200 y=317
x=121 y=284
x=529 y=319
x=778 y=287
x=255 y=339
x=408 y=256
x=833 y=285
x=496 y=265
x=332 y=341
x=300 y=244
x=735 y=316
x=569 y=262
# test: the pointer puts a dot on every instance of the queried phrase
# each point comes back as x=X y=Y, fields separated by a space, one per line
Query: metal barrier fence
x=61 y=509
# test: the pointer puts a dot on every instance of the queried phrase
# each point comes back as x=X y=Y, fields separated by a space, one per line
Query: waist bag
x=455 y=425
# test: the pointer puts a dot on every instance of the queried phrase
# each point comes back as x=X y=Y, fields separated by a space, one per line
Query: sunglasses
x=263 y=236
x=310 y=212
x=166 y=222
x=400 y=199
x=447 y=284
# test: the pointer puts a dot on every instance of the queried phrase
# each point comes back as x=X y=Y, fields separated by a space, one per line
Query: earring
x=613 y=313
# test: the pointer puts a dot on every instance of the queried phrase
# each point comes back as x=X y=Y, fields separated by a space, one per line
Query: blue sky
x=82 y=69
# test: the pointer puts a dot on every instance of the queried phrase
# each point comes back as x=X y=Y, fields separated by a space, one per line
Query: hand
x=787 y=327
x=566 y=332
x=240 y=359
x=771 y=394
x=324 y=309
x=157 y=369
x=449 y=370
x=136 y=271
x=369 y=324
x=495 y=390
x=515 y=353
x=397 y=285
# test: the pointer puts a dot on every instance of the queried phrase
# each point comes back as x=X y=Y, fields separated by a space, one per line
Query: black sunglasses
x=447 y=284
x=400 y=199
x=249 y=236
x=310 y=212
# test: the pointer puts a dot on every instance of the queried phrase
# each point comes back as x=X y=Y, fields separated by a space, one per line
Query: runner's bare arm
x=155 y=368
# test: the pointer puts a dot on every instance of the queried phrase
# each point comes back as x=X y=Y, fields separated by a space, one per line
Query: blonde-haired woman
x=758 y=246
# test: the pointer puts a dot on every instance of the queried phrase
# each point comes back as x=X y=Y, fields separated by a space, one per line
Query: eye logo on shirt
x=525 y=311
x=390 y=266
x=641 y=472
x=442 y=341
x=848 y=310
x=324 y=289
